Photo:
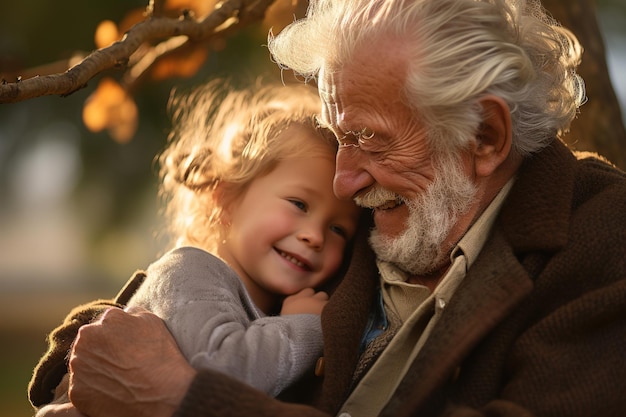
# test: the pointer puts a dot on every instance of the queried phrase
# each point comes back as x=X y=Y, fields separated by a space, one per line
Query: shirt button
x=344 y=415
x=441 y=302
x=319 y=366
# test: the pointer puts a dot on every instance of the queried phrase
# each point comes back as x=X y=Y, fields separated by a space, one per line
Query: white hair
x=461 y=50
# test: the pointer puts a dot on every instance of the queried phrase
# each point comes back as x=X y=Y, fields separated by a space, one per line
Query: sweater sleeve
x=53 y=364
x=208 y=311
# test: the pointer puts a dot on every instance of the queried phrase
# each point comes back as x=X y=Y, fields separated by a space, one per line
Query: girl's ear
x=495 y=136
x=222 y=198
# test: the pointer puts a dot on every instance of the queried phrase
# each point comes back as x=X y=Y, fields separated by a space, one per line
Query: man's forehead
x=329 y=94
x=327 y=86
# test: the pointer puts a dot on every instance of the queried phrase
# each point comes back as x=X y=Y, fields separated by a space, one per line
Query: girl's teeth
x=292 y=260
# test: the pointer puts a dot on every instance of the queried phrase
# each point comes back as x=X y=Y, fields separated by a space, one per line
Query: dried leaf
x=283 y=12
x=111 y=107
x=106 y=34
x=182 y=64
x=131 y=19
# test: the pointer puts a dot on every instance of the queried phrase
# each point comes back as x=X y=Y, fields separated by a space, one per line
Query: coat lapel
x=343 y=321
x=494 y=286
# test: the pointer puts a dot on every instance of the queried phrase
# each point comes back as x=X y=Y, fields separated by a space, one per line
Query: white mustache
x=377 y=197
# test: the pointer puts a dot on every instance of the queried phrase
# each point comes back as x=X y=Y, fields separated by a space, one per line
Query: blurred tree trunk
x=599 y=127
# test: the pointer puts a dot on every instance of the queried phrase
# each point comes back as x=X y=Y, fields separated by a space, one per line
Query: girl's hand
x=306 y=301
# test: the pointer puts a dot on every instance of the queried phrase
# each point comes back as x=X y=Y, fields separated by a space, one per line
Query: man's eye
x=301 y=205
x=340 y=231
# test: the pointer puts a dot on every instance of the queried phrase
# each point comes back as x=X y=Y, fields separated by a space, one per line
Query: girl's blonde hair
x=226 y=137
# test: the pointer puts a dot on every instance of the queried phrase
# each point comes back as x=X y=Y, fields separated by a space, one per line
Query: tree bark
x=599 y=127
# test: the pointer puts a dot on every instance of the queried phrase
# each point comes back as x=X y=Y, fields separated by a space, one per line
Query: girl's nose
x=312 y=235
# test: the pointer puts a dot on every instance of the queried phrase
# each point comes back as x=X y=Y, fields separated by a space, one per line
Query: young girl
x=248 y=184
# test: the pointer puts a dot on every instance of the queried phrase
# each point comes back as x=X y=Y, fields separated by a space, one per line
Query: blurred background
x=78 y=209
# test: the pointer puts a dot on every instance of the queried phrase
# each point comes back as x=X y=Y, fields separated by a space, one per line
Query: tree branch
x=117 y=55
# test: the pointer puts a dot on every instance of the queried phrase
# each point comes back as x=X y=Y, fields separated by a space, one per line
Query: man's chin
x=385 y=246
x=412 y=258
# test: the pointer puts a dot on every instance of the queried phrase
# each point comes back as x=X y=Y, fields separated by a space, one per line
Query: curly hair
x=461 y=50
x=228 y=137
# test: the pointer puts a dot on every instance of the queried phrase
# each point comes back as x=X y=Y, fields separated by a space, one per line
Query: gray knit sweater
x=216 y=325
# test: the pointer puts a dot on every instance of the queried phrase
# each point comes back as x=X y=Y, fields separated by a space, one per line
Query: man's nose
x=350 y=174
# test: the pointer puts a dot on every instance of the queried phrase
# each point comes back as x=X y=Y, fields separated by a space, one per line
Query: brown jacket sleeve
x=214 y=394
x=53 y=364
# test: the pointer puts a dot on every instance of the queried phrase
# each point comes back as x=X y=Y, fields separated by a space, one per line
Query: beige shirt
x=419 y=309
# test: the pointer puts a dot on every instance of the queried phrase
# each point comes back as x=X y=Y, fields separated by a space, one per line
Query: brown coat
x=537 y=328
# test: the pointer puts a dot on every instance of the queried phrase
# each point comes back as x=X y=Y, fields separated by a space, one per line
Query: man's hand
x=59 y=410
x=306 y=301
x=127 y=365
x=61 y=405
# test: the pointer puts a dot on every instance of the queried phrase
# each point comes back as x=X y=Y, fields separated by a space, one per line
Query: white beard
x=420 y=249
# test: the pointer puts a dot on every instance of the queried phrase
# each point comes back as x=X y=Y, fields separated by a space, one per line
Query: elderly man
x=498 y=284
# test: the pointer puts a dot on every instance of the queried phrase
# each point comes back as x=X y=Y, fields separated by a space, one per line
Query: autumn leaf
x=106 y=33
x=184 y=63
x=283 y=12
x=111 y=107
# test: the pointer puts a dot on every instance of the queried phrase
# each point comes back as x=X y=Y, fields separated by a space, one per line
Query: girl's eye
x=301 y=205
x=340 y=231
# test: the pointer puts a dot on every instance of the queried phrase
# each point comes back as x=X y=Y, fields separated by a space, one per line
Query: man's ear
x=494 y=138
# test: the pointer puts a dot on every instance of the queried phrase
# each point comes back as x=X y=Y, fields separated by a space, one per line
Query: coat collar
x=343 y=319
x=536 y=214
